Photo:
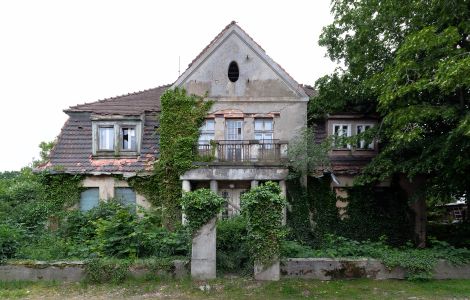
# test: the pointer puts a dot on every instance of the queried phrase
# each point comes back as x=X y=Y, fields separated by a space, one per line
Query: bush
x=10 y=237
x=47 y=246
x=232 y=249
x=99 y=270
x=200 y=207
x=419 y=263
x=262 y=207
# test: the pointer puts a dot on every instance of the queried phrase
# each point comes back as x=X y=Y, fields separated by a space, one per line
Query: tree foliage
x=410 y=61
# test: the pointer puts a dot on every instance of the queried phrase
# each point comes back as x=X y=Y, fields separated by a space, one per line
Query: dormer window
x=233 y=71
x=116 y=138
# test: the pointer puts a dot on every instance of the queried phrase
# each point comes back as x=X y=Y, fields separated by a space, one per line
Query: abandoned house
x=258 y=108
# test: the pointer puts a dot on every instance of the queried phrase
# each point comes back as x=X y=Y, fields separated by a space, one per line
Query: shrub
x=100 y=270
x=10 y=237
x=262 y=207
x=47 y=246
x=232 y=249
x=115 y=236
x=200 y=207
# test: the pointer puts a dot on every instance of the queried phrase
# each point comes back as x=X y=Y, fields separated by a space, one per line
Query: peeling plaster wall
x=261 y=88
x=106 y=185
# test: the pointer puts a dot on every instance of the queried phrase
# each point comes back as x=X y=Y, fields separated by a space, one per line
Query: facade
x=258 y=108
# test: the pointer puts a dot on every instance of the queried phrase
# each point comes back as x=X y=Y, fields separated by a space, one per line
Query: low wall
x=72 y=271
x=329 y=269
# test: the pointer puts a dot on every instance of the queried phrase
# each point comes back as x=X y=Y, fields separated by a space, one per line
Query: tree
x=410 y=61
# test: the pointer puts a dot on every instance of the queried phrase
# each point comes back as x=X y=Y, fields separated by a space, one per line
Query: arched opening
x=233 y=71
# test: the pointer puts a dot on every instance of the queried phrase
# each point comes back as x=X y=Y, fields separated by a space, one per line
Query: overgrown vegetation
x=200 y=206
x=182 y=116
x=262 y=207
x=233 y=256
x=418 y=263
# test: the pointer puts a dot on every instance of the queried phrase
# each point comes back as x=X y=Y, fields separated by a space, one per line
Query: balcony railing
x=243 y=151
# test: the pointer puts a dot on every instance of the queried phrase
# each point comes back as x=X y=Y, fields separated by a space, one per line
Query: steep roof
x=130 y=104
x=219 y=38
x=73 y=151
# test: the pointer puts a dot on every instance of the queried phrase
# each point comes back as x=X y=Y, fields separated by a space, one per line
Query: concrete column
x=267 y=273
x=282 y=185
x=254 y=183
x=203 y=252
x=186 y=187
x=214 y=186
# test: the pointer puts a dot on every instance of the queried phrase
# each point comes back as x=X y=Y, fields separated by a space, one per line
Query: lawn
x=240 y=288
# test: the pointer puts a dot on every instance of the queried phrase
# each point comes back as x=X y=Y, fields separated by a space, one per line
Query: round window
x=233 y=72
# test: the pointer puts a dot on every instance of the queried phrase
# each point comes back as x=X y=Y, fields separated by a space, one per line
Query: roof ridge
x=218 y=36
x=116 y=97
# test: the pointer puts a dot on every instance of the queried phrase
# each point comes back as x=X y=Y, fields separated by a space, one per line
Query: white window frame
x=348 y=134
x=203 y=131
x=362 y=142
x=264 y=131
x=118 y=138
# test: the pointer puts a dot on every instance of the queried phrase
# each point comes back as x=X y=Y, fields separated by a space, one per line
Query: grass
x=240 y=288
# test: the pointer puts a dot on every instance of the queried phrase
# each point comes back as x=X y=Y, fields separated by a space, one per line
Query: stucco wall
x=106 y=185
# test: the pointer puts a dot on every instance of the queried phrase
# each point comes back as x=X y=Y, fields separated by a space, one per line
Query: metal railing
x=243 y=151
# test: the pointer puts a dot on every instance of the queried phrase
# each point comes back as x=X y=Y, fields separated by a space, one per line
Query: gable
x=259 y=76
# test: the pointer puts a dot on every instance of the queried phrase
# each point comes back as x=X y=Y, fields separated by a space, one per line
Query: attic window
x=233 y=72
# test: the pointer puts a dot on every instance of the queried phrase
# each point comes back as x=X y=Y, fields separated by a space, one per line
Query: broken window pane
x=128 y=138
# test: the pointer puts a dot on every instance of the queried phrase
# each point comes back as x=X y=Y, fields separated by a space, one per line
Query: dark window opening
x=233 y=72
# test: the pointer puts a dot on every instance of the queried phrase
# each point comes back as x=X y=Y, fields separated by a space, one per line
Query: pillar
x=186 y=187
x=254 y=183
x=282 y=185
x=214 y=185
x=203 y=252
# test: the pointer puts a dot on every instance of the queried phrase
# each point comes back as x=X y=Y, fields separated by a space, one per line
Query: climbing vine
x=262 y=207
x=182 y=116
x=200 y=206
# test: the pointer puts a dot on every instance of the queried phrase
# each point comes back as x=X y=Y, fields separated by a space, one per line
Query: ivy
x=262 y=207
x=182 y=116
x=200 y=207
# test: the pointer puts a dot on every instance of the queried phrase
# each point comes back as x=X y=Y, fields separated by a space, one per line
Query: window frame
x=264 y=131
x=348 y=134
x=203 y=131
x=118 y=138
x=370 y=146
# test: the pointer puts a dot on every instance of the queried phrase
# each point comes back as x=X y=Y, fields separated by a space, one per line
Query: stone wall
x=73 y=271
x=330 y=269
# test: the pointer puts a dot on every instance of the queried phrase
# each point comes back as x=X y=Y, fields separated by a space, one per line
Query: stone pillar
x=282 y=185
x=214 y=186
x=254 y=183
x=186 y=187
x=269 y=273
x=203 y=252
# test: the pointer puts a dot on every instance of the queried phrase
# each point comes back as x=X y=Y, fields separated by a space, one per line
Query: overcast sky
x=54 y=54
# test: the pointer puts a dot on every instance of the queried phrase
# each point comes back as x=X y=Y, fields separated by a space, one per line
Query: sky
x=55 y=54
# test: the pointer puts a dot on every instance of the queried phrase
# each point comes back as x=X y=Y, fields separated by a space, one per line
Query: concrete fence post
x=203 y=253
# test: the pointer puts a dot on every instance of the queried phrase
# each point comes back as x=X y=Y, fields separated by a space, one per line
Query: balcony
x=243 y=151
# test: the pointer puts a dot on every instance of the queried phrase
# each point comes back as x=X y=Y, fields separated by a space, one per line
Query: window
x=116 y=137
x=362 y=143
x=106 y=138
x=128 y=138
x=207 y=132
x=233 y=72
x=234 y=130
x=126 y=196
x=340 y=132
x=89 y=199
x=264 y=130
